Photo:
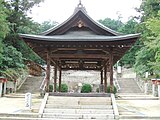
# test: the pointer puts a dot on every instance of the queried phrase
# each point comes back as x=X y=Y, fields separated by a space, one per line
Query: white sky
x=60 y=10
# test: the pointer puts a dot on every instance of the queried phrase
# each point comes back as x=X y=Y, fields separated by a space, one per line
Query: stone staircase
x=32 y=85
x=15 y=107
x=58 y=107
x=128 y=85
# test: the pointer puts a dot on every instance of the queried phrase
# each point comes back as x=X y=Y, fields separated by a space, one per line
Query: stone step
x=141 y=117
x=17 y=118
x=128 y=85
x=79 y=102
x=78 y=116
x=62 y=102
x=127 y=113
x=32 y=115
x=59 y=98
x=21 y=118
x=79 y=111
x=31 y=84
x=79 y=106
x=138 y=97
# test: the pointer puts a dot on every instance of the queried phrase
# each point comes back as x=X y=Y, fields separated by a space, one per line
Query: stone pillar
x=153 y=89
x=159 y=90
x=1 y=89
x=146 y=88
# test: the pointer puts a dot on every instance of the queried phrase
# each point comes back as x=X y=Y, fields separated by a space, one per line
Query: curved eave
x=59 y=38
x=76 y=12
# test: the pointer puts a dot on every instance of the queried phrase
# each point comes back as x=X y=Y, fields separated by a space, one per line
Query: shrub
x=50 y=88
x=64 y=88
x=86 y=88
x=114 y=91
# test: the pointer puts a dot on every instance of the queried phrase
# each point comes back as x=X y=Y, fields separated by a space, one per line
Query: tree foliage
x=20 y=23
x=146 y=58
x=129 y=27
x=18 y=12
x=153 y=42
x=111 y=23
x=3 y=27
x=13 y=19
x=46 y=25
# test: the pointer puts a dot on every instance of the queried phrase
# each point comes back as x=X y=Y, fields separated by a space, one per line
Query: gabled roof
x=61 y=38
x=80 y=16
x=80 y=43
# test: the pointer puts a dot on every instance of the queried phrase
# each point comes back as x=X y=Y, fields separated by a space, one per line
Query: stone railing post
x=146 y=88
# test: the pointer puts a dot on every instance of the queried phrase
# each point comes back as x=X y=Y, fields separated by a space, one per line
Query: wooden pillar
x=105 y=79
x=111 y=70
x=55 y=77
x=48 y=71
x=101 y=77
x=60 y=76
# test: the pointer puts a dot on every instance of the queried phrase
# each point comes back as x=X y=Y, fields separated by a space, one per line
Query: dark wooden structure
x=80 y=43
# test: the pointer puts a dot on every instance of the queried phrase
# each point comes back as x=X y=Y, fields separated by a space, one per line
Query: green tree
x=126 y=28
x=18 y=12
x=19 y=22
x=149 y=9
x=111 y=23
x=130 y=28
x=3 y=27
x=153 y=42
x=46 y=25
x=12 y=58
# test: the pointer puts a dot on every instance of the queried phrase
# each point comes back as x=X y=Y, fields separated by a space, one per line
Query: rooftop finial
x=80 y=7
x=80 y=4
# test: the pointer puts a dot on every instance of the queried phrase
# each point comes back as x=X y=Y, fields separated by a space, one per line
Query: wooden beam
x=79 y=56
x=68 y=68
x=111 y=70
x=60 y=76
x=101 y=77
x=55 y=77
x=105 y=79
x=48 y=71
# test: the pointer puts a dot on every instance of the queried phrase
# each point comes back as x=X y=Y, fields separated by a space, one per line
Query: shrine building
x=80 y=43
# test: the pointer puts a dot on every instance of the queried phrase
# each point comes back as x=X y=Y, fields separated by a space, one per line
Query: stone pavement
x=142 y=107
x=15 y=103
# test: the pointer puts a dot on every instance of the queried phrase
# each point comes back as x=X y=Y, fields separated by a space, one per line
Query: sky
x=60 y=10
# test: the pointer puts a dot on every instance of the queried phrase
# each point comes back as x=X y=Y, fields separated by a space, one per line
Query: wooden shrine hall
x=80 y=43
